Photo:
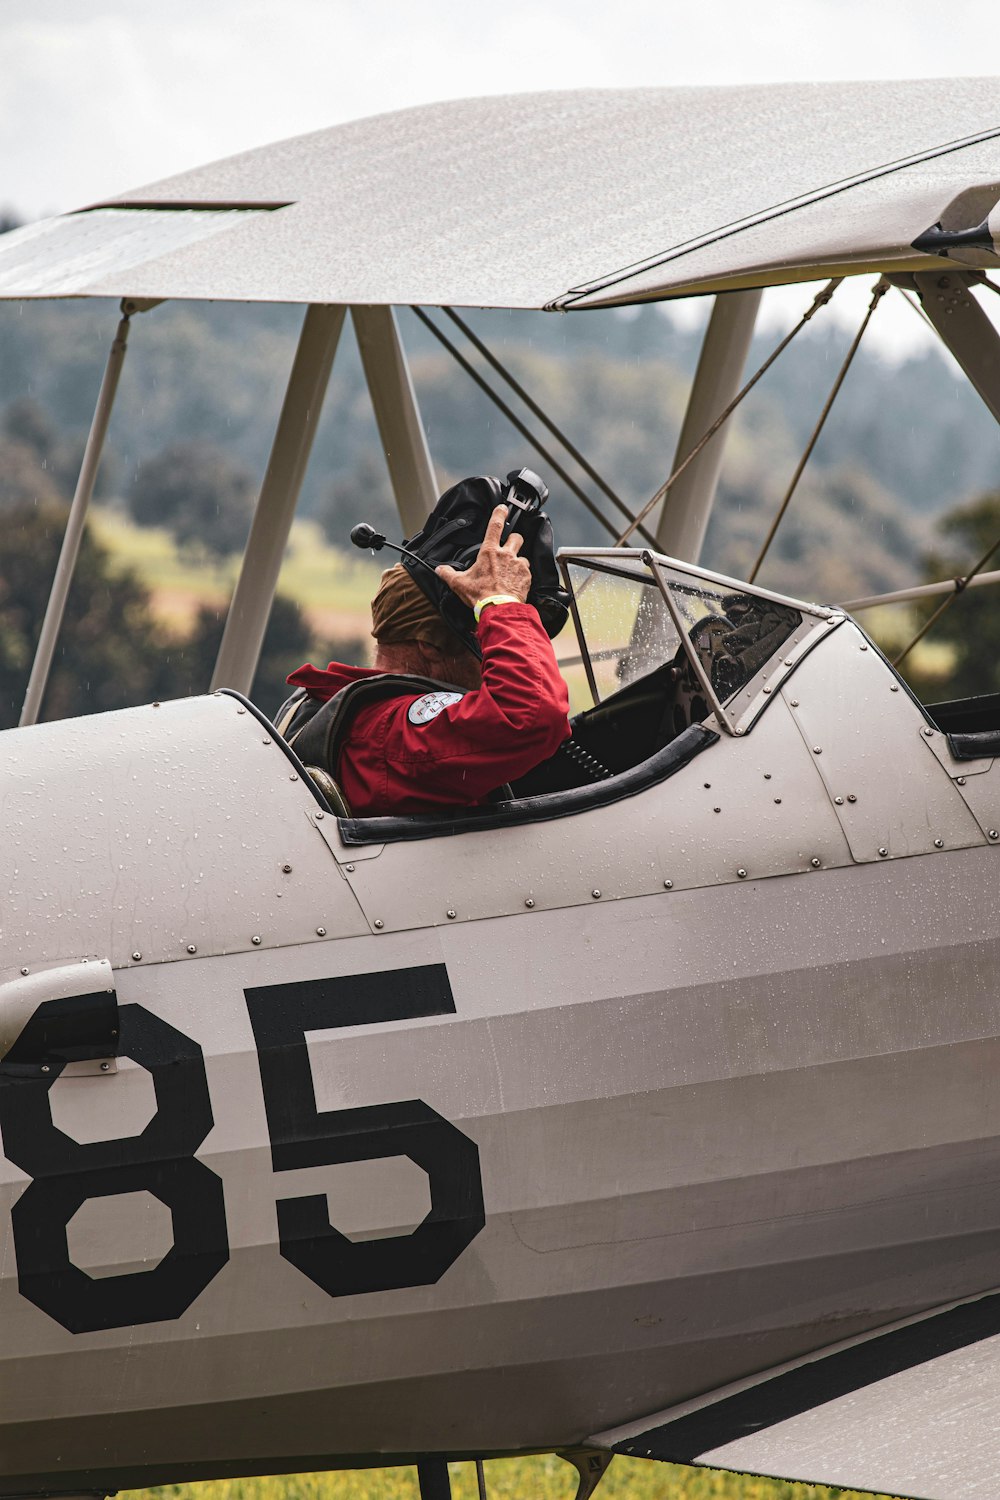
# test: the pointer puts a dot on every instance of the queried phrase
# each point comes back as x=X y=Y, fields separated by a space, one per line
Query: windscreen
x=629 y=631
x=626 y=626
x=734 y=633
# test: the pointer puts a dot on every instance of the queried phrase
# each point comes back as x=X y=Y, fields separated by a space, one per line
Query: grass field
x=541 y=1478
x=332 y=587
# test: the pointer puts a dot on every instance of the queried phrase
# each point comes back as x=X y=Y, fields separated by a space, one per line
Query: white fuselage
x=728 y=1084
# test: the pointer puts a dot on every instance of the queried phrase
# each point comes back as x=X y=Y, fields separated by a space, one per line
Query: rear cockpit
x=670 y=657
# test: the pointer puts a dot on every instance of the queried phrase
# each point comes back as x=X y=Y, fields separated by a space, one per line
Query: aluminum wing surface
x=912 y=1409
x=553 y=200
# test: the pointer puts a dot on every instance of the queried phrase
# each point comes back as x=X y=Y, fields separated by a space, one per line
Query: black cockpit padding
x=971 y=724
x=626 y=729
x=633 y=723
x=539 y=809
x=975 y=746
x=961 y=716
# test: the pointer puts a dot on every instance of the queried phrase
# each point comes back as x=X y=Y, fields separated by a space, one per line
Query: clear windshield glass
x=734 y=634
x=629 y=631
x=626 y=625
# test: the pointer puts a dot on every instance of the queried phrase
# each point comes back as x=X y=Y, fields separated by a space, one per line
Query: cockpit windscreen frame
x=735 y=704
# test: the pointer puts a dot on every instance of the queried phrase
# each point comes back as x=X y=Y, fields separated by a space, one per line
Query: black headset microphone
x=367 y=537
x=526 y=494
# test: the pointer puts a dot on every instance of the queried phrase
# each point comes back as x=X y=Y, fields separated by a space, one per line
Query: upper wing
x=587 y=198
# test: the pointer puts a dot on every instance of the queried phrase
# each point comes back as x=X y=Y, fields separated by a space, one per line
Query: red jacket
x=409 y=755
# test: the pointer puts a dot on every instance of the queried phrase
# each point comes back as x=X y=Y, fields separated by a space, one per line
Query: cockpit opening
x=670 y=657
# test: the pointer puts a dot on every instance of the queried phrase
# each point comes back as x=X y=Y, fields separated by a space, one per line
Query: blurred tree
x=24 y=480
x=913 y=440
x=918 y=429
x=27 y=443
x=26 y=421
x=200 y=494
x=110 y=651
x=36 y=462
x=362 y=495
x=842 y=537
x=288 y=642
x=971 y=625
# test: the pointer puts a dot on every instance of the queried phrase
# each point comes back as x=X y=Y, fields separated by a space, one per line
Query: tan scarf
x=401 y=611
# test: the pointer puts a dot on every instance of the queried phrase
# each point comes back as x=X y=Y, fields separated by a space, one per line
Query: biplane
x=651 y=1112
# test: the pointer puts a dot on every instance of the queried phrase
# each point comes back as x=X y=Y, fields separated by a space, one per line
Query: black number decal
x=160 y=1160
x=301 y=1136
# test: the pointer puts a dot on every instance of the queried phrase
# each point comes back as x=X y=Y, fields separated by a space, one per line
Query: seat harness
x=316 y=730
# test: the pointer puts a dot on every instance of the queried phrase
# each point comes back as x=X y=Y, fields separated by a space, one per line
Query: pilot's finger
x=495 y=527
x=446 y=573
x=514 y=543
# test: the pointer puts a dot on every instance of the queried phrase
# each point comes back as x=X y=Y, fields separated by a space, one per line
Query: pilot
x=464 y=728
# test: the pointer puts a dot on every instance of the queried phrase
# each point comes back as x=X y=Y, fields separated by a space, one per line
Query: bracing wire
x=820 y=300
x=537 y=411
x=911 y=299
x=881 y=287
x=961 y=584
x=515 y=421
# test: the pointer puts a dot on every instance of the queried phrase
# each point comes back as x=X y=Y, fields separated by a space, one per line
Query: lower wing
x=911 y=1409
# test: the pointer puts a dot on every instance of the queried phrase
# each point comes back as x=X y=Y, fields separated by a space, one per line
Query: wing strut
x=70 y=551
x=683 y=519
x=394 y=401
x=272 y=520
x=433 y=1479
x=949 y=306
x=963 y=327
x=591 y=1464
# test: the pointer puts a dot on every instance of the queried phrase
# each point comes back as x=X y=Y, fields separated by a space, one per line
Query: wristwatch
x=494 y=599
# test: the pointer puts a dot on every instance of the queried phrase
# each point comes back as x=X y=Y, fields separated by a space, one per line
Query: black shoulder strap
x=317 y=730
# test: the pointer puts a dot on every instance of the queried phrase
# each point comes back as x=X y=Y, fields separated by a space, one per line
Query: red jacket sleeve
x=517 y=719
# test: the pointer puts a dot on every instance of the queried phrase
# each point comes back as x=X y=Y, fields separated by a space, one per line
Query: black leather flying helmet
x=454 y=532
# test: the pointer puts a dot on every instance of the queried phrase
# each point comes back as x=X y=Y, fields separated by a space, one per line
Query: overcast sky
x=102 y=95
x=97 y=96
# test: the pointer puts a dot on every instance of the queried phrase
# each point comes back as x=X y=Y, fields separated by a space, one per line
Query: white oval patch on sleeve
x=424 y=709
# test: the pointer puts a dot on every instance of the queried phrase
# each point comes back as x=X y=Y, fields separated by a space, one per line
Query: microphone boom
x=366 y=537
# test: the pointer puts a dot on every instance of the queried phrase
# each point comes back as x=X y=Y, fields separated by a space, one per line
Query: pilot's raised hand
x=497 y=569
